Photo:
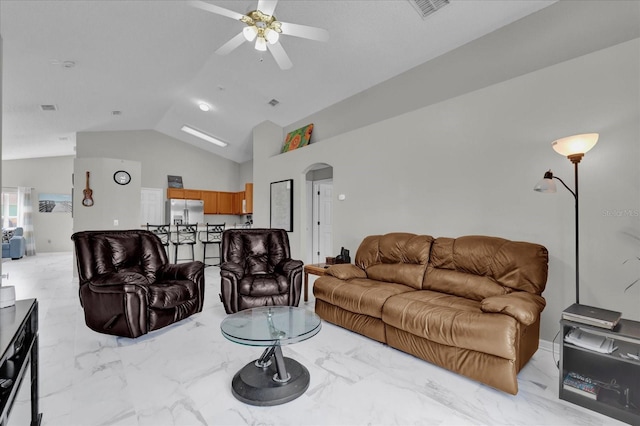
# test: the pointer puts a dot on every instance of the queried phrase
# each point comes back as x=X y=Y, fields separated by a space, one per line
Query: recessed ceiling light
x=116 y=112
x=274 y=102
x=204 y=106
x=203 y=136
x=48 y=107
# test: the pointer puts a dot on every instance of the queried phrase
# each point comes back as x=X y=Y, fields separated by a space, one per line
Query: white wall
x=161 y=155
x=46 y=175
x=467 y=165
x=246 y=172
x=111 y=201
x=155 y=156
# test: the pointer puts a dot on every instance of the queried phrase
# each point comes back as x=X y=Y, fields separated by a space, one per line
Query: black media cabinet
x=618 y=379
x=18 y=352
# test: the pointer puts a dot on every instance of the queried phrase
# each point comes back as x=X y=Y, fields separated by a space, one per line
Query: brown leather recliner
x=127 y=286
x=257 y=270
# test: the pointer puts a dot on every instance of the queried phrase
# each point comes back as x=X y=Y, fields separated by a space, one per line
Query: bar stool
x=185 y=235
x=163 y=232
x=213 y=235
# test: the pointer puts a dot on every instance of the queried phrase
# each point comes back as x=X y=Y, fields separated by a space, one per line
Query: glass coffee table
x=271 y=379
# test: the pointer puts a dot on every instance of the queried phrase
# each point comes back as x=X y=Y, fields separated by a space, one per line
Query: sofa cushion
x=480 y=266
x=263 y=285
x=395 y=258
x=452 y=321
x=359 y=295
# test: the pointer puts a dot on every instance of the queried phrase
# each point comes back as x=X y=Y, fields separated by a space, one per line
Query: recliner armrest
x=119 y=278
x=288 y=265
x=181 y=271
x=524 y=307
x=118 y=288
x=345 y=271
x=232 y=268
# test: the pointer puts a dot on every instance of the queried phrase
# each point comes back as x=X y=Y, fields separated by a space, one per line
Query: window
x=9 y=208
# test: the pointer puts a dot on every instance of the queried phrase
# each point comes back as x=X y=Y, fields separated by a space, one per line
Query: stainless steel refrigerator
x=185 y=211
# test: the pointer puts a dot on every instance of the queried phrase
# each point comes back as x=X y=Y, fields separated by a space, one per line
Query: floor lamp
x=574 y=148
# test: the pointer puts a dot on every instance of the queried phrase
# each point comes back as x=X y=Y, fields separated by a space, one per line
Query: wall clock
x=121 y=177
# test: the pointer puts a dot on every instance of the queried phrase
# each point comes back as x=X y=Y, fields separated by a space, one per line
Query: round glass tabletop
x=270 y=325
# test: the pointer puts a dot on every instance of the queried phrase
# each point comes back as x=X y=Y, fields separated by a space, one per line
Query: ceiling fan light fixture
x=272 y=36
x=261 y=44
x=250 y=33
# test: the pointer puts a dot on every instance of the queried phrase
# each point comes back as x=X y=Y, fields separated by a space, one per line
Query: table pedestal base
x=266 y=383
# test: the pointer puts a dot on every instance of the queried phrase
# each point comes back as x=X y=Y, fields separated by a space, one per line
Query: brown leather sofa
x=127 y=286
x=257 y=269
x=471 y=304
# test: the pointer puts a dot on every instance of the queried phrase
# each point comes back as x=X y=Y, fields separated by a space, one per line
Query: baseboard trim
x=545 y=345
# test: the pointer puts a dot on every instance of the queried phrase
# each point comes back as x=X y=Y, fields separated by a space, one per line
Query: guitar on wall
x=88 y=194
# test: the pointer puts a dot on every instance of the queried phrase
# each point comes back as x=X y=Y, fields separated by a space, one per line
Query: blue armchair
x=13 y=243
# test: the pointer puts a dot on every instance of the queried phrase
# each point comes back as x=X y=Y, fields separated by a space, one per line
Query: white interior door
x=151 y=206
x=322 y=220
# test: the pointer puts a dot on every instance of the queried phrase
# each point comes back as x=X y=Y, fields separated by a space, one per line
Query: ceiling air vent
x=48 y=107
x=427 y=7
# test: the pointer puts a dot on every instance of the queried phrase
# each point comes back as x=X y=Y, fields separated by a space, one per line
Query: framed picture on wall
x=298 y=138
x=174 y=181
x=55 y=203
x=282 y=205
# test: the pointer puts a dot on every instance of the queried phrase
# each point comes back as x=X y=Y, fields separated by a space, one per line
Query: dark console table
x=18 y=351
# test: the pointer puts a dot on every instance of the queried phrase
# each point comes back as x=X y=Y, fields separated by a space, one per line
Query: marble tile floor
x=181 y=375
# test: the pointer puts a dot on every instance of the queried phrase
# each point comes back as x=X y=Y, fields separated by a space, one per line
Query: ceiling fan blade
x=216 y=9
x=231 y=44
x=281 y=57
x=267 y=6
x=304 y=31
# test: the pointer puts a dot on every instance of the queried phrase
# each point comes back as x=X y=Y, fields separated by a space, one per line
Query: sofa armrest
x=345 y=271
x=17 y=246
x=524 y=307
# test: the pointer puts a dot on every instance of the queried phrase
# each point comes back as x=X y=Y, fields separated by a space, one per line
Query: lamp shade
x=576 y=144
x=546 y=184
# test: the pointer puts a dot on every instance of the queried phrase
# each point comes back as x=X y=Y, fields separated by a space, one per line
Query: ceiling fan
x=263 y=27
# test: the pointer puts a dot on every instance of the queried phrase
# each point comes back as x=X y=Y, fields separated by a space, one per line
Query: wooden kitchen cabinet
x=218 y=202
x=238 y=199
x=225 y=203
x=210 y=199
x=193 y=194
x=188 y=194
x=175 y=193
x=248 y=197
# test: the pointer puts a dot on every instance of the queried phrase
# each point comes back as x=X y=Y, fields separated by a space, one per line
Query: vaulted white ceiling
x=154 y=61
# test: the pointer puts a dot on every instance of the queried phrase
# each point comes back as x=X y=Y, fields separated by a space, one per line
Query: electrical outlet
x=115 y=222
